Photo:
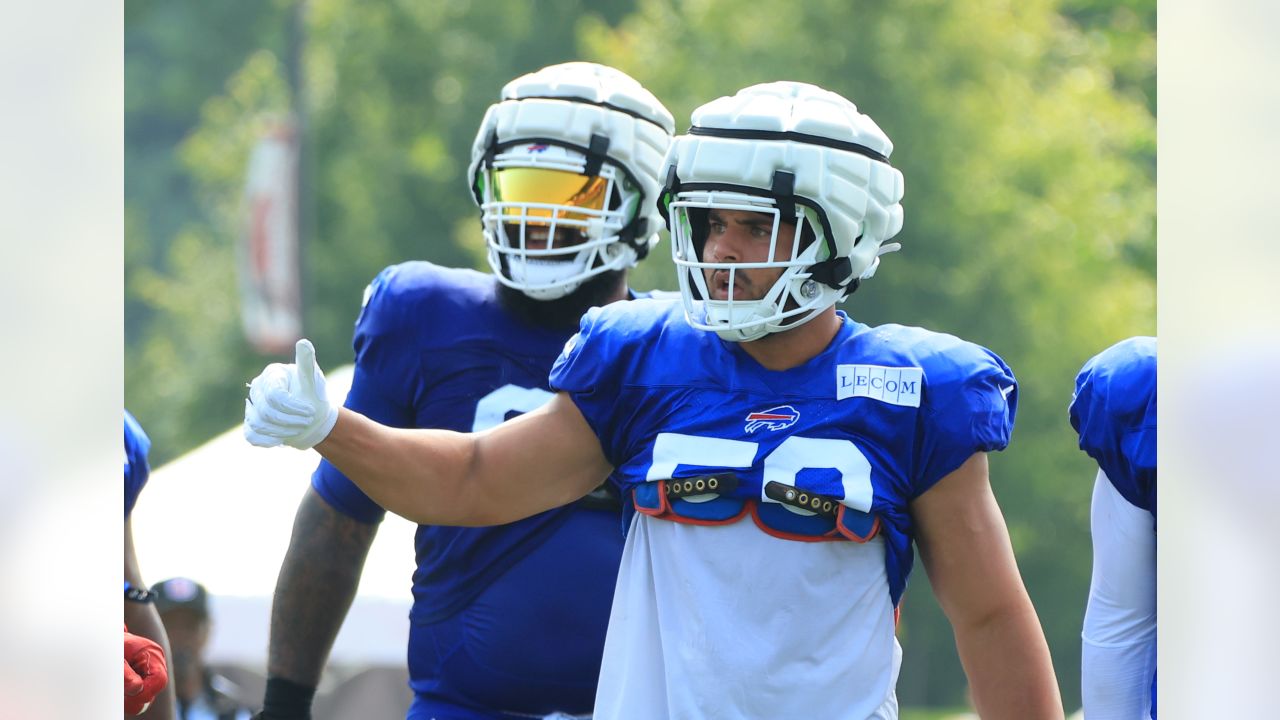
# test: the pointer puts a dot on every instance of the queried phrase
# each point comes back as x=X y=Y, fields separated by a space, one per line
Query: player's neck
x=797 y=346
x=564 y=313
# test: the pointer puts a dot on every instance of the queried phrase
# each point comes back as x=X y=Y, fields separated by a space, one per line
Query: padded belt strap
x=723 y=484
x=824 y=505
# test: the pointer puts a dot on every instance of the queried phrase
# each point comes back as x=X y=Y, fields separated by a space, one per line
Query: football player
x=1114 y=411
x=507 y=621
x=779 y=458
x=146 y=675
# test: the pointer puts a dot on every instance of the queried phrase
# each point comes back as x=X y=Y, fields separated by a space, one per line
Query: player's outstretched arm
x=965 y=546
x=538 y=461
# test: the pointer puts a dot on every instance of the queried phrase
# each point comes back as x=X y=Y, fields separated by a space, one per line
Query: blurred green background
x=1025 y=131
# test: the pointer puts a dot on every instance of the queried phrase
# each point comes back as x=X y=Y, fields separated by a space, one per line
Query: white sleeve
x=1119 y=638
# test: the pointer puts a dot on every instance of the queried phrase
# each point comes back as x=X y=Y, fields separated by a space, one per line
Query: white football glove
x=287 y=404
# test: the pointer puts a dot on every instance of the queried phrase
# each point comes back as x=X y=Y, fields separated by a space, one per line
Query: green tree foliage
x=1025 y=131
x=182 y=341
x=392 y=93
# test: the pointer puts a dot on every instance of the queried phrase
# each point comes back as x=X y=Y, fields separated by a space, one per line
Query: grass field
x=932 y=713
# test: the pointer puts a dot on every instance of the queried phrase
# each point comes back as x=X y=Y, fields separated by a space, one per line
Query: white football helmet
x=565 y=171
x=802 y=155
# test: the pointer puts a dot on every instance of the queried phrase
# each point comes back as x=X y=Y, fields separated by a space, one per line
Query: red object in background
x=145 y=672
x=268 y=253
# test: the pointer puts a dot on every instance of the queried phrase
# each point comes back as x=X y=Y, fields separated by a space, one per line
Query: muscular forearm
x=325 y=559
x=966 y=549
x=417 y=474
x=1009 y=668
x=438 y=477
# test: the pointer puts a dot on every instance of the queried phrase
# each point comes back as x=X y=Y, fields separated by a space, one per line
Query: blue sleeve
x=378 y=391
x=137 y=468
x=589 y=371
x=972 y=401
x=1114 y=412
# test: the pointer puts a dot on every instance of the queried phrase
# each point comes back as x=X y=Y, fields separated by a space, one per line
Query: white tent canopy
x=222 y=515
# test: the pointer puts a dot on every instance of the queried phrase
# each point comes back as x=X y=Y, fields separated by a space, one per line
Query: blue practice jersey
x=1114 y=411
x=872 y=422
x=136 y=469
x=504 y=618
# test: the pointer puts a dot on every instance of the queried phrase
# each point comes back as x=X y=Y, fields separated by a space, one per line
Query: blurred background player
x=140 y=616
x=1114 y=411
x=202 y=694
x=507 y=621
x=781 y=459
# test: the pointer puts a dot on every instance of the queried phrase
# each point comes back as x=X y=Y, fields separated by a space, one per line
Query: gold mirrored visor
x=523 y=185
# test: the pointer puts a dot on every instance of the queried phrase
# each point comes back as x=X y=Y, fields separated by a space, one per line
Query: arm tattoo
x=317 y=583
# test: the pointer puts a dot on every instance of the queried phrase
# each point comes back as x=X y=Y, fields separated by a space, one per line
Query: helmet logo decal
x=537 y=148
x=778 y=418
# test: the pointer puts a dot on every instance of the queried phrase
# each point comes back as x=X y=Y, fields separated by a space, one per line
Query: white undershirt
x=729 y=622
x=1119 y=639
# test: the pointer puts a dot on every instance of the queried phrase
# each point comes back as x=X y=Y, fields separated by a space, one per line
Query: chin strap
x=597 y=153
x=833 y=273
x=829 y=272
x=784 y=194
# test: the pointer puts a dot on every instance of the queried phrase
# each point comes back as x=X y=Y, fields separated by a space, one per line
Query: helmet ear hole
x=698 y=228
x=807 y=235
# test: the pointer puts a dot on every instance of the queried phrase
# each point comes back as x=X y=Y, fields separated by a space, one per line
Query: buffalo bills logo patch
x=783 y=416
x=537 y=148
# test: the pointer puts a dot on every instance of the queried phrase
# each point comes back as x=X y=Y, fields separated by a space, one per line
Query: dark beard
x=563 y=313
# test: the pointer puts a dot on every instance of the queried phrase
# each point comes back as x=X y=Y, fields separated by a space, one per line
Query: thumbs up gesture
x=287 y=404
